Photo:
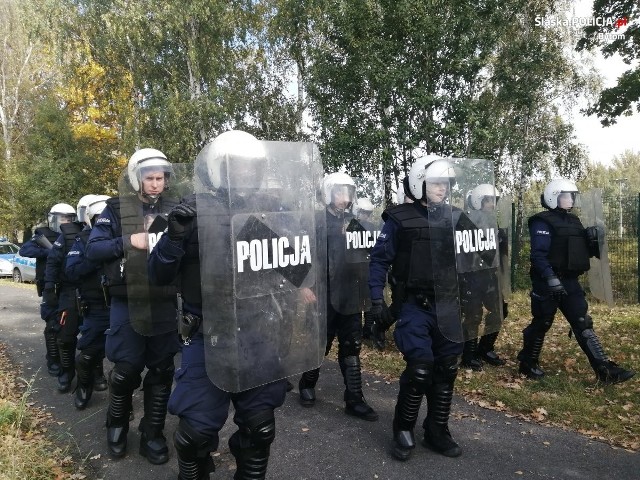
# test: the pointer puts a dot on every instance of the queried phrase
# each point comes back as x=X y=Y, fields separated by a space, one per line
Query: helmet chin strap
x=341 y=211
x=152 y=198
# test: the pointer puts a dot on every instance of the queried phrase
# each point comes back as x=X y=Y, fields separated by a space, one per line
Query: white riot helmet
x=430 y=169
x=335 y=183
x=479 y=193
x=233 y=160
x=95 y=207
x=403 y=194
x=60 y=213
x=82 y=206
x=144 y=161
x=364 y=206
x=554 y=189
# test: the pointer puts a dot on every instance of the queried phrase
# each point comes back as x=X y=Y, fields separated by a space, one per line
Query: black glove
x=179 y=220
x=593 y=234
x=556 y=289
x=49 y=297
x=376 y=310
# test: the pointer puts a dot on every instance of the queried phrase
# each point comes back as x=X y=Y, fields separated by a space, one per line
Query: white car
x=8 y=250
x=23 y=269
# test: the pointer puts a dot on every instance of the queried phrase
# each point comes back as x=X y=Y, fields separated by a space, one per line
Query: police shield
x=463 y=248
x=261 y=261
x=351 y=235
x=591 y=214
x=504 y=211
x=147 y=224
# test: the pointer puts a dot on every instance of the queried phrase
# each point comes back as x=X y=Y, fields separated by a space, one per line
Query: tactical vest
x=70 y=232
x=90 y=284
x=568 y=253
x=41 y=263
x=425 y=243
x=122 y=271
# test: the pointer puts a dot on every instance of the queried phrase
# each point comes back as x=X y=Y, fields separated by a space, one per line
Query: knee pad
x=160 y=375
x=94 y=351
x=420 y=374
x=541 y=325
x=350 y=347
x=582 y=324
x=445 y=369
x=192 y=445
x=124 y=379
x=259 y=430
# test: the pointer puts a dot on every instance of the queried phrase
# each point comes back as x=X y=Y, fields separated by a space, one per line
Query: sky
x=603 y=143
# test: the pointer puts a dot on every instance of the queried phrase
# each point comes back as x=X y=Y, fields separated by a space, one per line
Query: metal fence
x=621 y=216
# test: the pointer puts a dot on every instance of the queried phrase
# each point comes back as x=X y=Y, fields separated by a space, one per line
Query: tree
x=26 y=75
x=195 y=69
x=618 y=32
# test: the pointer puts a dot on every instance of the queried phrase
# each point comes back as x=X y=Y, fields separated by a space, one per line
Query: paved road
x=322 y=442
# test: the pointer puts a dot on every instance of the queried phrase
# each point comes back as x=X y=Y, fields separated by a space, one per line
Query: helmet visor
x=57 y=219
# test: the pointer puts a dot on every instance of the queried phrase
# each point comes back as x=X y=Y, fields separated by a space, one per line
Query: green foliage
x=624 y=40
x=194 y=69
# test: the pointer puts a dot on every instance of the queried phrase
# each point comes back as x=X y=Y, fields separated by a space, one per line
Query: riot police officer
x=344 y=305
x=223 y=315
x=93 y=308
x=142 y=330
x=68 y=314
x=390 y=313
x=481 y=202
x=560 y=252
x=39 y=248
x=415 y=239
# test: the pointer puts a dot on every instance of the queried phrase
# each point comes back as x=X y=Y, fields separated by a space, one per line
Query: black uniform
x=560 y=250
x=202 y=406
x=33 y=249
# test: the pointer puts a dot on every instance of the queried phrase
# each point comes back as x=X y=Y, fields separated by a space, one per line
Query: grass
x=568 y=396
x=26 y=451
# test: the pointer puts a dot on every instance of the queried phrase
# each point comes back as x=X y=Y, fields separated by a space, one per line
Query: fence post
x=638 y=245
x=513 y=246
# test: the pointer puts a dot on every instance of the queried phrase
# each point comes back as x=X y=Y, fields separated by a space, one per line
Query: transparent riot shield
x=262 y=264
x=351 y=236
x=504 y=210
x=591 y=214
x=146 y=222
x=463 y=248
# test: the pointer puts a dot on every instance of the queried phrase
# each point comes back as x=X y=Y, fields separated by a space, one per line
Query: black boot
x=67 y=366
x=153 y=444
x=470 y=355
x=355 y=403
x=407 y=409
x=193 y=450
x=251 y=444
x=439 y=397
x=486 y=350
x=611 y=373
x=84 y=368
x=120 y=405
x=99 y=380
x=529 y=356
x=307 y=385
x=607 y=372
x=53 y=355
